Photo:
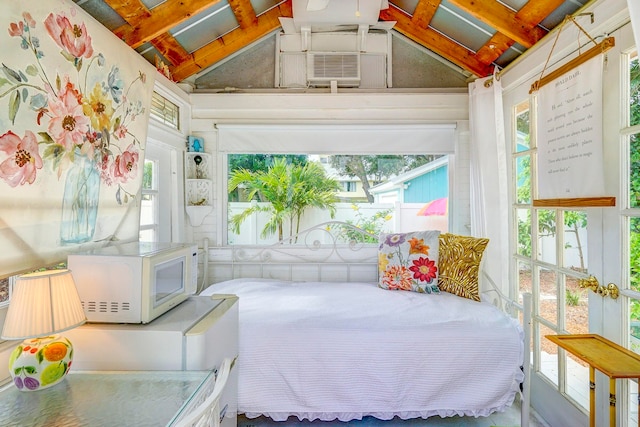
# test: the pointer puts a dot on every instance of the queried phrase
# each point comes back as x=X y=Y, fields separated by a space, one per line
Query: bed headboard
x=332 y=251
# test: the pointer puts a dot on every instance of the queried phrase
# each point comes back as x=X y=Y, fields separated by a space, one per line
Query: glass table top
x=104 y=398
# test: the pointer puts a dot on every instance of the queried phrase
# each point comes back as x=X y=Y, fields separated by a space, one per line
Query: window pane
x=148 y=177
x=522 y=127
x=273 y=196
x=577 y=380
x=548 y=355
x=148 y=235
x=634 y=255
x=165 y=111
x=634 y=171
x=634 y=95
x=575 y=240
x=524 y=279
x=576 y=307
x=147 y=210
x=523 y=179
x=524 y=231
x=547 y=235
x=548 y=295
x=4 y=290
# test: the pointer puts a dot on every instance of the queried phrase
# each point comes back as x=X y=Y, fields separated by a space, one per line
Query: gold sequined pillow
x=459 y=264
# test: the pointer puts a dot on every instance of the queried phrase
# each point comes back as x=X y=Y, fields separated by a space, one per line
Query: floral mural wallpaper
x=74 y=108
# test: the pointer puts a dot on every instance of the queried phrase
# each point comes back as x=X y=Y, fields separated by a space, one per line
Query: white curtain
x=634 y=13
x=489 y=180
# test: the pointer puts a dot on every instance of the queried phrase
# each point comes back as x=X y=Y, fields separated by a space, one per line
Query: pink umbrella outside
x=435 y=207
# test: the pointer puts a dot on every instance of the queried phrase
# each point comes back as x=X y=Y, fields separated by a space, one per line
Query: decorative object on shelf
x=198 y=161
x=198 y=186
x=196 y=144
x=43 y=304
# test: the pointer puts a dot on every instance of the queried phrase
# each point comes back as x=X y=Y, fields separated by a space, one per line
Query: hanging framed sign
x=570 y=168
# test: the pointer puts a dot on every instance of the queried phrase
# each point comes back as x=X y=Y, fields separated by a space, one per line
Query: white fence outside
x=403 y=218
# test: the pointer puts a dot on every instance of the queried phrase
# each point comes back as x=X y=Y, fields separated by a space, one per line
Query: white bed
x=320 y=340
x=329 y=350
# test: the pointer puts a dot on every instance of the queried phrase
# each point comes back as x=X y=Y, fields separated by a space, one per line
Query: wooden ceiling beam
x=140 y=30
x=436 y=42
x=170 y=49
x=423 y=14
x=245 y=15
x=231 y=43
x=129 y=9
x=503 y=19
x=534 y=11
x=494 y=48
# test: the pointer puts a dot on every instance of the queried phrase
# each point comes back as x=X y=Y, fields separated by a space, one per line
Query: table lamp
x=43 y=304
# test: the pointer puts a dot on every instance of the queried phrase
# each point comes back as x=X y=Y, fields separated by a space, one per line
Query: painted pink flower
x=125 y=165
x=72 y=38
x=121 y=132
x=16 y=30
x=23 y=158
x=68 y=124
x=29 y=20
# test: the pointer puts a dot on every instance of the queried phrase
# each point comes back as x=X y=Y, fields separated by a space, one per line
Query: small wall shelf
x=198 y=191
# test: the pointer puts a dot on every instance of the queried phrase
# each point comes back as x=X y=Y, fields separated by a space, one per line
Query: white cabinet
x=196 y=335
x=198 y=182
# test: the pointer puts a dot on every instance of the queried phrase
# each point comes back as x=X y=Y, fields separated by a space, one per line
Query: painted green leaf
x=13 y=76
x=30 y=369
x=31 y=70
x=40 y=356
x=68 y=56
x=46 y=137
x=14 y=105
x=3 y=81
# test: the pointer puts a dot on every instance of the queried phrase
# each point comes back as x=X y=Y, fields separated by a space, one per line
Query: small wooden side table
x=607 y=357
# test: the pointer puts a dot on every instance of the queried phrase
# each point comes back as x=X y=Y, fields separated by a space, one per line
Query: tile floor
x=509 y=418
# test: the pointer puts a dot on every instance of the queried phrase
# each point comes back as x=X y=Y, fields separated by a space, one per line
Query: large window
x=159 y=206
x=273 y=196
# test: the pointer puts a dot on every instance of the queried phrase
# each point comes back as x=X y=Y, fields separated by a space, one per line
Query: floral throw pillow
x=460 y=258
x=409 y=261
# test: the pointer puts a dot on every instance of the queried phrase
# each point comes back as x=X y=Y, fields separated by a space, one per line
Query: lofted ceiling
x=191 y=36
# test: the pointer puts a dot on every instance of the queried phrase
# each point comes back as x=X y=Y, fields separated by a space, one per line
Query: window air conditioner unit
x=324 y=67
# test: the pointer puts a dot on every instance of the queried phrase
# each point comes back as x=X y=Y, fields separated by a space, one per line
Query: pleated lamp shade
x=43 y=303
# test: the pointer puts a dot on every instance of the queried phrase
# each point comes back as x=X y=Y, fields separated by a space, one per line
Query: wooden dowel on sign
x=601 y=47
x=576 y=202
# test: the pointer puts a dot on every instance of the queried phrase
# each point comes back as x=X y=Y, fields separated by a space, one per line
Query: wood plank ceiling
x=501 y=30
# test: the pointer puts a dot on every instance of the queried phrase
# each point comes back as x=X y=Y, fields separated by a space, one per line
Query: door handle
x=592 y=283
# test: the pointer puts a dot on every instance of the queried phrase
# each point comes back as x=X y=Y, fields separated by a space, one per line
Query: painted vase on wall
x=80 y=202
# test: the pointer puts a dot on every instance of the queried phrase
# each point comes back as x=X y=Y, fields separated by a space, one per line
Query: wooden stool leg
x=612 y=402
x=592 y=397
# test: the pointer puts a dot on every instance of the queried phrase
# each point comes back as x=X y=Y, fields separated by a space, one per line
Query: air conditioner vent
x=340 y=66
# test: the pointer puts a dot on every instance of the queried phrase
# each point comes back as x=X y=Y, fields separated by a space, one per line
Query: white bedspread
x=347 y=350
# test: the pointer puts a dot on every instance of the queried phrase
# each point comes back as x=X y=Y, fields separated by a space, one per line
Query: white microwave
x=134 y=282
